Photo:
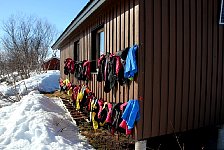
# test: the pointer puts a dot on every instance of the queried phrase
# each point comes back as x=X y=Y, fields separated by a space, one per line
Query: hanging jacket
x=88 y=101
x=100 y=103
x=93 y=114
x=106 y=73
x=118 y=64
x=123 y=124
x=69 y=66
x=69 y=91
x=101 y=66
x=113 y=66
x=103 y=114
x=131 y=113
x=116 y=115
x=86 y=70
x=62 y=86
x=75 y=93
x=123 y=55
x=79 y=70
x=66 y=84
x=66 y=69
x=131 y=64
x=79 y=99
x=111 y=74
x=72 y=67
x=83 y=102
x=109 y=114
x=61 y=82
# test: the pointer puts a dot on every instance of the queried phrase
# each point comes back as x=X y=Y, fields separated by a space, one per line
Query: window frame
x=95 y=48
x=77 y=49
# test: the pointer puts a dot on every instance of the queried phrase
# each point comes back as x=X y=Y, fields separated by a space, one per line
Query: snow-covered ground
x=47 y=82
x=36 y=121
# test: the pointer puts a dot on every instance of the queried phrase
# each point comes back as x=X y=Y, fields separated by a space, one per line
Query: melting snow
x=38 y=122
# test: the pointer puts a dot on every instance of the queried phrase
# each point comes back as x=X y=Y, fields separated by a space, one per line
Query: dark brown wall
x=182 y=67
x=180 y=77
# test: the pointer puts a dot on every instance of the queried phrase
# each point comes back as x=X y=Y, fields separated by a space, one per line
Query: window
x=221 y=18
x=97 y=47
x=76 y=51
x=101 y=42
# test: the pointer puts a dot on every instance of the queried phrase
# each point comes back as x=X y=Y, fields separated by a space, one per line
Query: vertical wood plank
x=122 y=44
x=186 y=69
x=198 y=63
x=115 y=47
x=157 y=69
x=97 y=86
x=179 y=73
x=140 y=39
x=204 y=61
x=136 y=41
x=209 y=64
x=89 y=49
x=88 y=43
x=101 y=84
x=127 y=33
x=81 y=47
x=131 y=37
x=91 y=83
x=220 y=75
x=214 y=99
x=165 y=67
x=84 y=45
x=172 y=65
x=118 y=41
x=222 y=80
x=105 y=46
x=108 y=45
x=192 y=64
x=111 y=45
x=94 y=85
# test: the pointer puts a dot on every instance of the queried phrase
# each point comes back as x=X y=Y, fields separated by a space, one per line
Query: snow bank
x=40 y=123
x=45 y=82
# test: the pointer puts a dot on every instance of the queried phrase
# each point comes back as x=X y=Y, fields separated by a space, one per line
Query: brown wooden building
x=51 y=64
x=180 y=58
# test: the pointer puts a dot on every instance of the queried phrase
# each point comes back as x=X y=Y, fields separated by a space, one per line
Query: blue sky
x=58 y=12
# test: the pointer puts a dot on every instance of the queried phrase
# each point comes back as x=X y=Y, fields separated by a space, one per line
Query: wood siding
x=121 y=27
x=180 y=60
x=182 y=44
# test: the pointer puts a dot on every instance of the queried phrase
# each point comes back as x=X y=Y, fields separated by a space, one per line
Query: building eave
x=90 y=7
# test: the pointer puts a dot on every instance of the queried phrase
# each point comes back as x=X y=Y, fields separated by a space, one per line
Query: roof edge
x=51 y=59
x=90 y=7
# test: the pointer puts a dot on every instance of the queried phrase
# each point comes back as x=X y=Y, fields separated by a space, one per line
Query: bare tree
x=2 y=64
x=26 y=41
